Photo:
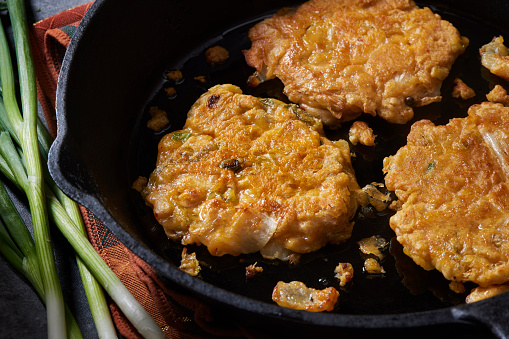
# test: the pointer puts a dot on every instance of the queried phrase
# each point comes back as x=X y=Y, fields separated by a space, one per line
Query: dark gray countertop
x=42 y=9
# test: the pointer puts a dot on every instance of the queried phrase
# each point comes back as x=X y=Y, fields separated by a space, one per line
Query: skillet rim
x=447 y=315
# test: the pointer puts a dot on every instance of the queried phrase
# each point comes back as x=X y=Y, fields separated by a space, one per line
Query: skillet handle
x=492 y=313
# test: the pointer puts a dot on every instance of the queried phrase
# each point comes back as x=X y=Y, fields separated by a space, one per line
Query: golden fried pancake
x=248 y=174
x=340 y=58
x=452 y=182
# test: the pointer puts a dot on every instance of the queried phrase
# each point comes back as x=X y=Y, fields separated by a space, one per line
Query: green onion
x=94 y=292
x=431 y=167
x=7 y=241
x=180 y=136
x=100 y=270
x=21 y=253
x=138 y=316
x=18 y=176
x=8 y=151
x=9 y=252
x=35 y=188
x=47 y=201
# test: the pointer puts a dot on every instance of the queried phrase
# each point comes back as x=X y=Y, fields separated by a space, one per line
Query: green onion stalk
x=29 y=133
x=138 y=316
x=34 y=187
x=22 y=255
x=144 y=323
x=14 y=123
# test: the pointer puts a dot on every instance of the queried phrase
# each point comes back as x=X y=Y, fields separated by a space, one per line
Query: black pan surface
x=104 y=93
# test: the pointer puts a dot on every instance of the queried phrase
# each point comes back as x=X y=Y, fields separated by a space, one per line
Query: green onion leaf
x=180 y=136
x=431 y=167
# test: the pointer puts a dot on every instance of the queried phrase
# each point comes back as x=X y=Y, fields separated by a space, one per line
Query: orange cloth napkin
x=179 y=315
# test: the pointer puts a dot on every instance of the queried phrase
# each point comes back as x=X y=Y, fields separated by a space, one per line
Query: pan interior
x=404 y=287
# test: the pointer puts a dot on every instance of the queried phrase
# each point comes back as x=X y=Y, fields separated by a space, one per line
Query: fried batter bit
x=298 y=296
x=340 y=58
x=495 y=57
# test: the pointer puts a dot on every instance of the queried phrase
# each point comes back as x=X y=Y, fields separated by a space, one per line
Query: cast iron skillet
x=114 y=70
